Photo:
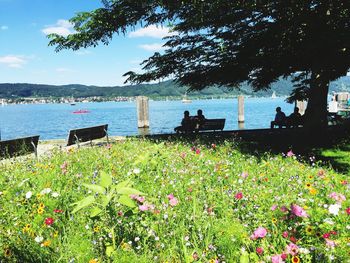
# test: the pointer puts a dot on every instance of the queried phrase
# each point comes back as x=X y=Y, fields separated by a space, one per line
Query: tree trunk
x=316 y=111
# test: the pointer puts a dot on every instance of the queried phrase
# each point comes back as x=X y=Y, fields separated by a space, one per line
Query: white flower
x=304 y=250
x=29 y=194
x=45 y=191
x=55 y=194
x=328 y=221
x=137 y=239
x=39 y=239
x=334 y=209
x=87 y=227
x=136 y=171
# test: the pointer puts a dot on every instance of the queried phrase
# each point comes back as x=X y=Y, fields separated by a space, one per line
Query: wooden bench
x=77 y=136
x=19 y=146
x=212 y=125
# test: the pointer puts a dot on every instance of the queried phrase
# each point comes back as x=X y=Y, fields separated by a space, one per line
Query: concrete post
x=142 y=112
x=240 y=109
x=302 y=106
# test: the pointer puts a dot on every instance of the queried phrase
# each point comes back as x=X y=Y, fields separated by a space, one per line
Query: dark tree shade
x=229 y=42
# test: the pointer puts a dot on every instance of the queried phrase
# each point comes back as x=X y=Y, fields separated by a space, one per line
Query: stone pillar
x=240 y=109
x=142 y=112
x=302 y=106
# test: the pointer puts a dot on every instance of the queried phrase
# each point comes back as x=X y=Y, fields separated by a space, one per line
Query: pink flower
x=183 y=155
x=290 y=153
x=213 y=145
x=338 y=197
x=273 y=208
x=259 y=250
x=298 y=211
x=292 y=249
x=198 y=151
x=143 y=207
x=239 y=196
x=260 y=232
x=326 y=235
x=348 y=210
x=244 y=175
x=276 y=259
x=284 y=209
x=285 y=234
x=173 y=201
x=330 y=243
x=170 y=196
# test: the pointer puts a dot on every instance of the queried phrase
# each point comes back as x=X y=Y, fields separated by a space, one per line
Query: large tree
x=222 y=42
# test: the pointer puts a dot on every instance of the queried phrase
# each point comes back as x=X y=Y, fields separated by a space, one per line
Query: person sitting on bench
x=280 y=118
x=295 y=119
x=187 y=123
x=199 y=119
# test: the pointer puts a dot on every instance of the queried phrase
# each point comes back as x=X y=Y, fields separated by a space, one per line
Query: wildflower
x=326 y=235
x=55 y=194
x=94 y=260
x=295 y=259
x=39 y=239
x=292 y=249
x=290 y=153
x=46 y=243
x=308 y=185
x=260 y=232
x=330 y=243
x=338 y=197
x=41 y=205
x=276 y=259
x=259 y=250
x=273 y=208
x=29 y=194
x=45 y=191
x=38 y=196
x=334 y=209
x=274 y=220
x=198 y=151
x=213 y=145
x=309 y=230
x=244 y=175
x=312 y=191
x=26 y=228
x=239 y=196
x=298 y=211
x=285 y=234
x=348 y=210
x=49 y=221
x=40 y=211
x=96 y=229
x=143 y=207
x=58 y=211
x=7 y=253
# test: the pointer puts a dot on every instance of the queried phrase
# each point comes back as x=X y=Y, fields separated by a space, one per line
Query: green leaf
x=84 y=203
x=106 y=179
x=127 y=201
x=95 y=212
x=129 y=191
x=244 y=258
x=96 y=188
x=109 y=251
x=122 y=184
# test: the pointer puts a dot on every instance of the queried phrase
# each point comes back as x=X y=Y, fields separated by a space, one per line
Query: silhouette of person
x=199 y=119
x=295 y=119
x=280 y=118
x=187 y=123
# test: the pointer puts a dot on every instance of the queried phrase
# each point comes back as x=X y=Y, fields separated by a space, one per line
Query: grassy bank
x=142 y=201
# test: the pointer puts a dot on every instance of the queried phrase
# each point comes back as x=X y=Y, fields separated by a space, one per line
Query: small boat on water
x=81 y=111
x=273 y=96
x=185 y=99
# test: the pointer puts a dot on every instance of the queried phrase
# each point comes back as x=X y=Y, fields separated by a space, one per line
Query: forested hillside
x=162 y=89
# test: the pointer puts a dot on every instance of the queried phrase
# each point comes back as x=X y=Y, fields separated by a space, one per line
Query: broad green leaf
x=96 y=188
x=106 y=179
x=84 y=203
x=106 y=199
x=121 y=185
x=244 y=258
x=129 y=191
x=127 y=201
x=109 y=251
x=95 y=212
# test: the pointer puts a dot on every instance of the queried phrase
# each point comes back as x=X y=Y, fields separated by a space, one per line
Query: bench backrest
x=86 y=134
x=18 y=146
x=213 y=124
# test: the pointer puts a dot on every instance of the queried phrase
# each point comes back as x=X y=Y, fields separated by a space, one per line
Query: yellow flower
x=295 y=259
x=41 y=205
x=38 y=196
x=96 y=229
x=274 y=220
x=93 y=260
x=7 y=253
x=46 y=243
x=308 y=185
x=26 y=228
x=40 y=211
x=125 y=246
x=309 y=230
x=55 y=234
x=310 y=177
x=313 y=191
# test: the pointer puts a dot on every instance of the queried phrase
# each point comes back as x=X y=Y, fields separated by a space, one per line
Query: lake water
x=53 y=121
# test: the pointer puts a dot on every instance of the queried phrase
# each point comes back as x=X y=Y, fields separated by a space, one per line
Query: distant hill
x=158 y=90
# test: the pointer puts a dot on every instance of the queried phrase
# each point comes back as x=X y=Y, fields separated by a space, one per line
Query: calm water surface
x=53 y=121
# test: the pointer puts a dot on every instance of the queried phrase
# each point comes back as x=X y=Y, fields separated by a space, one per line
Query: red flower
x=49 y=221
x=285 y=234
x=348 y=210
x=326 y=235
x=284 y=256
x=333 y=232
x=58 y=211
x=198 y=151
x=293 y=239
x=259 y=250
x=239 y=196
x=213 y=145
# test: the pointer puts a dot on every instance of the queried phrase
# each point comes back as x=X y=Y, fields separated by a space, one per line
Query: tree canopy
x=226 y=43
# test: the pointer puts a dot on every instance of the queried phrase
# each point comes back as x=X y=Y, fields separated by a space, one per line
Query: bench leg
x=107 y=137
x=35 y=150
x=77 y=140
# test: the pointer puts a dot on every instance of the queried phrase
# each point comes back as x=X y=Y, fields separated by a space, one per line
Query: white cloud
x=152 y=47
x=152 y=31
x=64 y=70
x=13 y=61
x=4 y=27
x=62 y=28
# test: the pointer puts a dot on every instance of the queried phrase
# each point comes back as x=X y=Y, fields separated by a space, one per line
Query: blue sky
x=25 y=56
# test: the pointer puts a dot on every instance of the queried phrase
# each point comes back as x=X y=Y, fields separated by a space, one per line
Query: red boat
x=81 y=111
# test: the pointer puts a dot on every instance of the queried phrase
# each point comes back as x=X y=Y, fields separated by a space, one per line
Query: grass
x=172 y=201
